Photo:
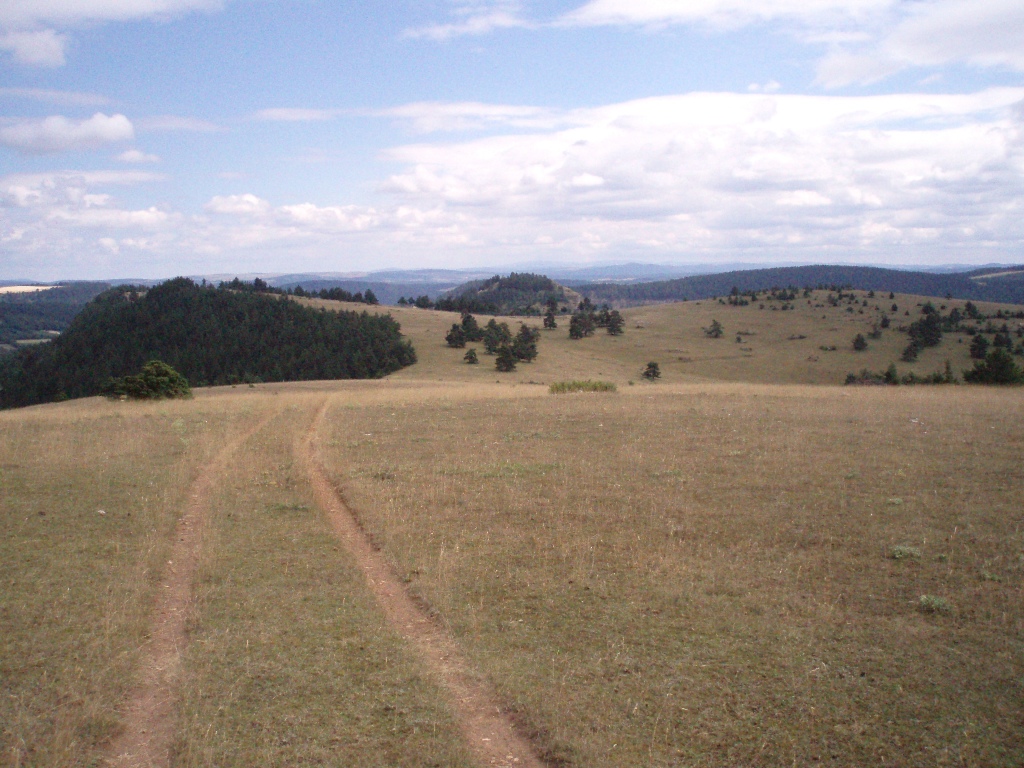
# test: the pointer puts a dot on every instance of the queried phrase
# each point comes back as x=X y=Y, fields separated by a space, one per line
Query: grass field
x=723 y=567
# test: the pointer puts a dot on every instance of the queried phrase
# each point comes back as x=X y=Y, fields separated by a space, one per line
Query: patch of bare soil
x=149 y=721
x=487 y=729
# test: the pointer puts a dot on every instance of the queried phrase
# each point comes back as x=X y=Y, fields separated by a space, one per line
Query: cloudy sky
x=149 y=138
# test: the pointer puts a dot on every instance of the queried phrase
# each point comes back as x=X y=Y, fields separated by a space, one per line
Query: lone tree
x=615 y=323
x=549 y=320
x=456 y=336
x=156 y=381
x=652 y=371
x=715 y=330
x=506 y=359
x=860 y=343
x=470 y=356
x=524 y=346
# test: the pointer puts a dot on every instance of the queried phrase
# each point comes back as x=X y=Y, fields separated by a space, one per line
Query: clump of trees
x=156 y=381
x=587 y=319
x=497 y=339
x=998 y=367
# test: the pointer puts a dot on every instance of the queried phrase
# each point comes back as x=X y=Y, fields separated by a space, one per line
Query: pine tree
x=615 y=323
x=524 y=347
x=979 y=347
x=714 y=331
x=470 y=356
x=652 y=371
x=456 y=337
x=506 y=359
x=860 y=343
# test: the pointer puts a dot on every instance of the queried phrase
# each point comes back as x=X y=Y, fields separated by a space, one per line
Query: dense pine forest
x=211 y=335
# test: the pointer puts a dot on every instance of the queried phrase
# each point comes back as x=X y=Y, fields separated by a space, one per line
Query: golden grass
x=697 y=571
x=702 y=575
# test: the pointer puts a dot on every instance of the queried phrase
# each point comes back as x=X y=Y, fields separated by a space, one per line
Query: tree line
x=212 y=335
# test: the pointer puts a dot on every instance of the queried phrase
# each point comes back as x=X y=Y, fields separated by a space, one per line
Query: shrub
x=904 y=552
x=156 y=381
x=934 y=604
x=565 y=387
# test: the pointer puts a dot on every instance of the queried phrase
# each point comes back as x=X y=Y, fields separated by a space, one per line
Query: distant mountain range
x=998 y=284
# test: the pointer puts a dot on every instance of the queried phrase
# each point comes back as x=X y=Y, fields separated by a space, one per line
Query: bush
x=652 y=372
x=933 y=604
x=156 y=381
x=565 y=387
x=903 y=552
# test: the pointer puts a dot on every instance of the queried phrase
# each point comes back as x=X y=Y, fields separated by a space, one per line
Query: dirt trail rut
x=487 y=729
x=149 y=722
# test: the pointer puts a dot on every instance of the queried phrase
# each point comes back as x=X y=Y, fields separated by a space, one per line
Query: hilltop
x=210 y=335
x=518 y=294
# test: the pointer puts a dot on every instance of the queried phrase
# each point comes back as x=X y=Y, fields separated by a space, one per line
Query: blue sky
x=148 y=138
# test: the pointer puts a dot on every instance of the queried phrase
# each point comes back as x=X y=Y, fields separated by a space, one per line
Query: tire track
x=149 y=722
x=487 y=729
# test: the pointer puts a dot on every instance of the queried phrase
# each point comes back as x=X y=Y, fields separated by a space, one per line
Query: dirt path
x=149 y=722
x=487 y=729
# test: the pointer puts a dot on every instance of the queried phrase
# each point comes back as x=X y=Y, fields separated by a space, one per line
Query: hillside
x=210 y=335
x=517 y=294
x=992 y=285
x=30 y=315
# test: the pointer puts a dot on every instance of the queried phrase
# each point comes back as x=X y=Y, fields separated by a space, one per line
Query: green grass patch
x=586 y=385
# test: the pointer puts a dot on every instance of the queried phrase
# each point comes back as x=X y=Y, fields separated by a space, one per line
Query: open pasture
x=691 y=572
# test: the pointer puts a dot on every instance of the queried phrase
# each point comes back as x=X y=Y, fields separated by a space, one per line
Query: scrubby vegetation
x=586 y=385
x=156 y=381
x=211 y=335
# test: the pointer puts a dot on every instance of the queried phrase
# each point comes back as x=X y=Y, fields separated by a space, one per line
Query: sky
x=151 y=138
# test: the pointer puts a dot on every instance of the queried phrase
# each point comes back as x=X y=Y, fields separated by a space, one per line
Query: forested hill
x=211 y=335
x=1003 y=285
x=28 y=315
x=517 y=294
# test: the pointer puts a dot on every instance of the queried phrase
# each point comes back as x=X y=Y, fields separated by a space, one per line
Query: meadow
x=742 y=563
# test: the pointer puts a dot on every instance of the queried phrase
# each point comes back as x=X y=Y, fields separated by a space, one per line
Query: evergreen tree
x=456 y=337
x=524 y=346
x=581 y=324
x=979 y=347
x=470 y=328
x=506 y=359
x=549 y=320
x=615 y=323
x=470 y=356
x=652 y=371
x=998 y=367
x=495 y=335
x=714 y=331
x=860 y=343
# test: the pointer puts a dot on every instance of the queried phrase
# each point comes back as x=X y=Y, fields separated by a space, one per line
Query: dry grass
x=671 y=334
x=703 y=576
x=685 y=573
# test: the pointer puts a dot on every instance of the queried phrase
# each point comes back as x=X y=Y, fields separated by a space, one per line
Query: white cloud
x=71 y=98
x=721 y=13
x=248 y=205
x=474 y=19
x=28 y=13
x=699 y=176
x=40 y=48
x=176 y=123
x=432 y=116
x=28 y=28
x=59 y=134
x=295 y=115
x=983 y=33
x=137 y=156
